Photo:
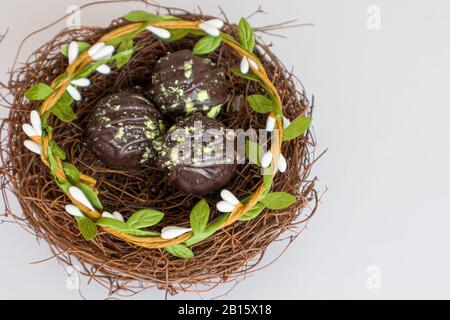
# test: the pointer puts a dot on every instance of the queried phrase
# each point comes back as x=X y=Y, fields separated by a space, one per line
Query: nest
x=227 y=255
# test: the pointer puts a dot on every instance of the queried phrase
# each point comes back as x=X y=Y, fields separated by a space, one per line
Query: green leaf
x=123 y=59
x=123 y=227
x=57 y=151
x=253 y=213
x=296 y=128
x=72 y=173
x=206 y=45
x=63 y=184
x=199 y=216
x=177 y=34
x=90 y=195
x=246 y=35
x=180 y=251
x=268 y=178
x=52 y=162
x=248 y=76
x=39 y=91
x=145 y=218
x=260 y=103
x=278 y=200
x=63 y=108
x=87 y=227
x=254 y=152
x=209 y=231
x=82 y=46
x=144 y=16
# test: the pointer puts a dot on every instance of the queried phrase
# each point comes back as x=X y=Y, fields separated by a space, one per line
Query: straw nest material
x=225 y=256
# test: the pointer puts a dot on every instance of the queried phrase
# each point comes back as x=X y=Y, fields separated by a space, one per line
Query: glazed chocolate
x=183 y=84
x=198 y=153
x=124 y=129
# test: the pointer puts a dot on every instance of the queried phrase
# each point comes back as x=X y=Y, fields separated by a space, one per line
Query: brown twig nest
x=228 y=254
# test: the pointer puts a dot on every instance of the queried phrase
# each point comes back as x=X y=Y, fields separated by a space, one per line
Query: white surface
x=382 y=110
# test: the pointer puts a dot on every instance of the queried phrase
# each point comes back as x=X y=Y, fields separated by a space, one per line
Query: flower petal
x=74 y=93
x=104 y=69
x=32 y=146
x=29 y=130
x=244 y=65
x=266 y=159
x=216 y=23
x=118 y=216
x=78 y=195
x=225 y=206
x=107 y=214
x=162 y=33
x=72 y=52
x=82 y=82
x=282 y=164
x=229 y=197
x=253 y=63
x=211 y=30
x=103 y=53
x=270 y=123
x=95 y=48
x=173 y=232
x=74 y=211
x=35 y=120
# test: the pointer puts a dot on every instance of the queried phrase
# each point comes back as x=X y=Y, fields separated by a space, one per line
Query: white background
x=383 y=113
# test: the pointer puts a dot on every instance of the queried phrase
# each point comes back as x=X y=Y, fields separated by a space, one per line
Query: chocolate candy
x=198 y=154
x=183 y=84
x=124 y=129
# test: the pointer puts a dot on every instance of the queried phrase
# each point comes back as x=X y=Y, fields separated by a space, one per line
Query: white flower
x=78 y=195
x=115 y=215
x=103 y=69
x=253 y=64
x=29 y=130
x=212 y=27
x=172 y=232
x=32 y=146
x=228 y=203
x=245 y=66
x=74 y=211
x=100 y=51
x=246 y=62
x=229 y=197
x=282 y=164
x=35 y=128
x=82 y=82
x=267 y=158
x=118 y=216
x=162 y=33
x=270 y=123
x=107 y=214
x=72 y=52
x=73 y=92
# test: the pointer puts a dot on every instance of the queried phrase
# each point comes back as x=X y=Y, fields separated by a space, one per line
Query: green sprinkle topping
x=188 y=68
x=202 y=95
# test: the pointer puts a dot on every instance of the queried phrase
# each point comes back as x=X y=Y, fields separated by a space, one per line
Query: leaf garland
x=149 y=217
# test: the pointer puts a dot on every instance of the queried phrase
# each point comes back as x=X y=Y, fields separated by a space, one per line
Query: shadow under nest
x=225 y=256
